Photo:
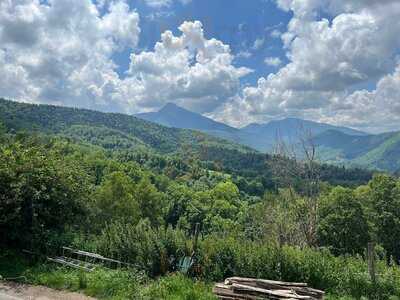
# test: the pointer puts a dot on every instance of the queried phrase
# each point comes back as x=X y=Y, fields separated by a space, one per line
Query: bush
x=41 y=193
x=219 y=258
x=155 y=251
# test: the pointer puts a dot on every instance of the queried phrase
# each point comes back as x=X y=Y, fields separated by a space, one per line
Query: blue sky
x=236 y=61
x=238 y=23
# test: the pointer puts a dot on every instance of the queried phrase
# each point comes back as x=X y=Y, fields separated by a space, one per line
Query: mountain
x=288 y=130
x=336 y=144
x=261 y=137
x=380 y=151
x=157 y=145
x=290 y=126
x=172 y=115
x=109 y=130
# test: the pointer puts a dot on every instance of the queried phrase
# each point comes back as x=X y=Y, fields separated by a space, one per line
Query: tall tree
x=343 y=226
x=151 y=202
x=385 y=200
x=115 y=199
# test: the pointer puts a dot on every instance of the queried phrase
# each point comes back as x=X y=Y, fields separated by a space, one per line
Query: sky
x=236 y=61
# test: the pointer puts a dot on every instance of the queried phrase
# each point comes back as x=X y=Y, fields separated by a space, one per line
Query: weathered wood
x=272 y=282
x=223 y=293
x=278 y=293
x=252 y=288
x=307 y=291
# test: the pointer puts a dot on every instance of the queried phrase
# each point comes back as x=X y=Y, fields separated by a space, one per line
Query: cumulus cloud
x=164 y=3
x=377 y=110
x=244 y=54
x=66 y=58
x=276 y=33
x=258 y=43
x=61 y=53
x=189 y=70
x=273 y=61
x=158 y=3
x=327 y=60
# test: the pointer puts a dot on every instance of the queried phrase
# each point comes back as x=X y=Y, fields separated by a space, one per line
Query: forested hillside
x=121 y=133
x=132 y=190
x=54 y=119
x=336 y=145
x=380 y=152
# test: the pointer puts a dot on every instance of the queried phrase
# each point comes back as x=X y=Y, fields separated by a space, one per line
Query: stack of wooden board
x=249 y=288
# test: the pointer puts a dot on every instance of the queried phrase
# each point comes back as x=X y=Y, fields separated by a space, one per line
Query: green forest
x=135 y=191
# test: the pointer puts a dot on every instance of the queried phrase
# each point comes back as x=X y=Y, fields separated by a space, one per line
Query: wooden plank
x=281 y=293
x=227 y=293
x=272 y=282
x=240 y=288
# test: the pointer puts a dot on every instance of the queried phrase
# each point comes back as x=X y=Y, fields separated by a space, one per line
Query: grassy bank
x=133 y=284
x=102 y=283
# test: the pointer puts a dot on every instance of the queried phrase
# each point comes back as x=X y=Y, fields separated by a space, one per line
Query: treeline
x=250 y=170
x=141 y=207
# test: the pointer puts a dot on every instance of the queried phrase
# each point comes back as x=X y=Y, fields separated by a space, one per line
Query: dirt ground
x=16 y=291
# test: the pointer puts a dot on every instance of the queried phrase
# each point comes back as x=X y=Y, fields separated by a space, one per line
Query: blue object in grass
x=185 y=263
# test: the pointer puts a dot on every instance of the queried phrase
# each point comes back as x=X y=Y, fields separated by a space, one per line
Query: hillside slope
x=91 y=125
x=381 y=151
x=172 y=115
x=261 y=137
x=128 y=133
x=288 y=130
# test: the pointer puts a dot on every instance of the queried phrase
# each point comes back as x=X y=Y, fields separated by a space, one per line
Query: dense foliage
x=123 y=133
x=141 y=204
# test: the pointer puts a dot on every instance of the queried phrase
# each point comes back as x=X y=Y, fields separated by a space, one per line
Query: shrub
x=154 y=250
x=220 y=258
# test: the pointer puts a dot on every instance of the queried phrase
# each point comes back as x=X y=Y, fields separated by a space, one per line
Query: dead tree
x=296 y=168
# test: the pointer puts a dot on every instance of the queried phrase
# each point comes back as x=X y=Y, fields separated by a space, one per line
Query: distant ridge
x=335 y=144
x=172 y=115
x=101 y=128
x=261 y=137
x=289 y=126
x=380 y=151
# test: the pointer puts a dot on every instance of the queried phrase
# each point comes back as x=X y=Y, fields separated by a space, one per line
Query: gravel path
x=16 y=291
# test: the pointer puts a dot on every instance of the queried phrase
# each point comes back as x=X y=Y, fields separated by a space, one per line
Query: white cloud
x=244 y=54
x=61 y=52
x=67 y=59
x=276 y=33
x=327 y=59
x=273 y=61
x=377 y=110
x=158 y=3
x=258 y=43
x=188 y=70
x=164 y=3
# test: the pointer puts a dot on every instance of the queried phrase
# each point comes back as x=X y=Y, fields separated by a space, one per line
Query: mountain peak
x=173 y=115
x=170 y=105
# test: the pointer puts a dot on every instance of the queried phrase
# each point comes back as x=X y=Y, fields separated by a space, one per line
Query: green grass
x=132 y=284
x=179 y=287
x=102 y=283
